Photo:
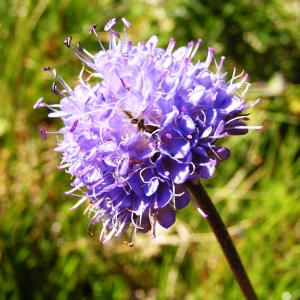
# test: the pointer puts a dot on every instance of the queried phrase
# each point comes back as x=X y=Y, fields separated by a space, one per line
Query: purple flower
x=148 y=125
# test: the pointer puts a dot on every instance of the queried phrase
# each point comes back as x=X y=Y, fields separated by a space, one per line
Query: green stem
x=206 y=205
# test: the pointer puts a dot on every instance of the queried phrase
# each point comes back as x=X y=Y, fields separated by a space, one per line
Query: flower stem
x=206 y=205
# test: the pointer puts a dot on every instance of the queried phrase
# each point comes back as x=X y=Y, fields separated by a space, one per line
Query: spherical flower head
x=146 y=127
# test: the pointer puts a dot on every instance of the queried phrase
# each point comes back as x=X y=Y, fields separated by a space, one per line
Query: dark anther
x=155 y=157
x=89 y=231
x=131 y=244
x=54 y=88
x=124 y=85
x=67 y=41
x=46 y=69
x=133 y=161
x=150 y=128
x=74 y=125
x=92 y=28
x=43 y=133
x=79 y=47
x=115 y=33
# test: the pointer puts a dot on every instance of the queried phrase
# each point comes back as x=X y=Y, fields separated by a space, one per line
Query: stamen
x=92 y=29
x=151 y=49
x=248 y=85
x=120 y=229
x=110 y=24
x=129 y=48
x=233 y=87
x=74 y=125
x=209 y=58
x=55 y=89
x=126 y=23
x=115 y=33
x=222 y=149
x=196 y=48
x=124 y=85
x=108 y=237
x=244 y=127
x=132 y=238
x=63 y=166
x=67 y=41
x=225 y=134
x=190 y=47
x=234 y=77
x=75 y=188
x=254 y=103
x=43 y=133
x=154 y=228
x=39 y=103
x=171 y=45
x=79 y=47
x=219 y=67
x=79 y=203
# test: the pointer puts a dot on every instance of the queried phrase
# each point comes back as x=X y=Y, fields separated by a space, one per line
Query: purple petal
x=166 y=216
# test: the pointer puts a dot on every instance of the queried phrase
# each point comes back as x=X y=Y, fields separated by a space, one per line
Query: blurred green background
x=45 y=251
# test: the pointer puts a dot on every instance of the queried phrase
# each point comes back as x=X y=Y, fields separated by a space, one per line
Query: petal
x=163 y=195
x=166 y=216
x=186 y=124
x=175 y=147
x=184 y=198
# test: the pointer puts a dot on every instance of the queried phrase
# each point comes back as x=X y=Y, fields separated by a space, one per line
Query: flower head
x=148 y=125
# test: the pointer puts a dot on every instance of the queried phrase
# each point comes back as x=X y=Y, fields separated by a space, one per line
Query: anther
x=54 y=88
x=38 y=103
x=110 y=24
x=46 y=69
x=74 y=125
x=124 y=85
x=92 y=28
x=43 y=133
x=67 y=41
x=79 y=47
x=115 y=33
x=126 y=23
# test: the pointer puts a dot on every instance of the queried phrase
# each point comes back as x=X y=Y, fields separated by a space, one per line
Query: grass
x=45 y=252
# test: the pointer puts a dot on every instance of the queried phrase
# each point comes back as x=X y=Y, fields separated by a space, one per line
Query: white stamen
x=79 y=203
